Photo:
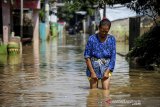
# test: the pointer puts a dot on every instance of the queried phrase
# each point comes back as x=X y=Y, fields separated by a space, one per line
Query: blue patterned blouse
x=95 y=49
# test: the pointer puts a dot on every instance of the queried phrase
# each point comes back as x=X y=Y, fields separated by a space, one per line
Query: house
x=8 y=20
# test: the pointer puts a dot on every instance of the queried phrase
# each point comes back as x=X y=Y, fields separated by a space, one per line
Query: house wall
x=1 y=20
x=6 y=21
x=32 y=4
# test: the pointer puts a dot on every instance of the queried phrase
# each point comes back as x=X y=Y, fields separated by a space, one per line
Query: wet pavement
x=52 y=74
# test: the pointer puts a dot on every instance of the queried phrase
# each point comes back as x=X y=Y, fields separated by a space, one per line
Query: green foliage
x=90 y=11
x=150 y=8
x=147 y=7
x=42 y=15
x=67 y=12
x=71 y=6
x=147 y=47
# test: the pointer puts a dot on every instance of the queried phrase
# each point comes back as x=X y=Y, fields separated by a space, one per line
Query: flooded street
x=52 y=74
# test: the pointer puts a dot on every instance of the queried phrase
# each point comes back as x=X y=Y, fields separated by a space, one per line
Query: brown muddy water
x=52 y=74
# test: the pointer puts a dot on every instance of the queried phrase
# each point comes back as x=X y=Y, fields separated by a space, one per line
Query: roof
x=118 y=12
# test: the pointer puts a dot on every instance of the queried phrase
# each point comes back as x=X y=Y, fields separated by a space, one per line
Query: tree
x=149 y=8
x=67 y=12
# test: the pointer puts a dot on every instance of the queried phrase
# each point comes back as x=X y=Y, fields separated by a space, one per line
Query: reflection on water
x=52 y=74
x=98 y=98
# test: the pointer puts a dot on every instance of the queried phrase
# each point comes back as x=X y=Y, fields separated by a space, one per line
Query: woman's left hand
x=106 y=74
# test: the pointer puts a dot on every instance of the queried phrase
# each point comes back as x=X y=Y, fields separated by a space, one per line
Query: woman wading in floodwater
x=100 y=56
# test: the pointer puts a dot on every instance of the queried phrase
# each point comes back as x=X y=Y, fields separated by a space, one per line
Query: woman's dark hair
x=105 y=21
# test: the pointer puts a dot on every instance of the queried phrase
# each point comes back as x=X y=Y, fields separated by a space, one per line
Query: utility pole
x=21 y=24
x=47 y=11
x=104 y=11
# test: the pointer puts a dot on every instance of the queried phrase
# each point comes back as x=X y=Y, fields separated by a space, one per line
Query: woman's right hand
x=89 y=65
x=93 y=75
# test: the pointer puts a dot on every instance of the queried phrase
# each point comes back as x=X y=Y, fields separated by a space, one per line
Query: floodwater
x=52 y=74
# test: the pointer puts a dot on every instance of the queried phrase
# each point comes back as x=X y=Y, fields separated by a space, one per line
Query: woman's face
x=103 y=30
